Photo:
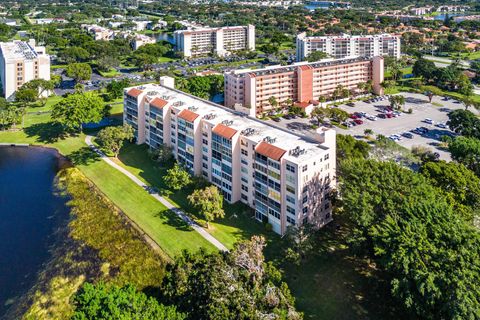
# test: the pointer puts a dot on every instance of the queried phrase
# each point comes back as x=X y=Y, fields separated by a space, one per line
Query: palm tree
x=397 y=102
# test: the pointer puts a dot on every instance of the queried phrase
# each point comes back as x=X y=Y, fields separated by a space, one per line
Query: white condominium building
x=98 y=32
x=221 y=41
x=338 y=47
x=250 y=90
x=21 y=62
x=285 y=177
x=139 y=40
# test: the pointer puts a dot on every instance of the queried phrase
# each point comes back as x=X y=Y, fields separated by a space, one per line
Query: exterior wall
x=235 y=163
x=299 y=83
x=348 y=46
x=14 y=72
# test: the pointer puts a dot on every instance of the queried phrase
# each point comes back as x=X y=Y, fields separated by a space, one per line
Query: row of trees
x=419 y=231
x=450 y=78
x=229 y=285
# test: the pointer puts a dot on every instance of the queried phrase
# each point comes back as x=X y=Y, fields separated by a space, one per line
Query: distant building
x=140 y=40
x=21 y=62
x=250 y=90
x=98 y=32
x=420 y=11
x=221 y=41
x=338 y=47
x=286 y=178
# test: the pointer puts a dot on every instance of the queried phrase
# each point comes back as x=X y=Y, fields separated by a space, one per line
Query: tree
x=177 y=177
x=408 y=225
x=469 y=102
x=397 y=102
x=111 y=302
x=464 y=123
x=111 y=138
x=26 y=95
x=273 y=101
x=208 y=202
x=348 y=148
x=464 y=85
x=300 y=242
x=74 y=54
x=115 y=88
x=143 y=61
x=317 y=56
x=162 y=154
x=424 y=68
x=459 y=183
x=79 y=71
x=320 y=113
x=466 y=150
x=230 y=285
x=431 y=91
x=338 y=115
x=78 y=108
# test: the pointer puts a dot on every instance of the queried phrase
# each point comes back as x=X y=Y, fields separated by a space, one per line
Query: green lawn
x=109 y=74
x=237 y=224
x=165 y=59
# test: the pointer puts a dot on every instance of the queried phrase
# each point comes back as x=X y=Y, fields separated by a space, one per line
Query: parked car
x=353 y=116
x=358 y=121
x=276 y=119
x=428 y=120
x=442 y=125
x=351 y=104
x=389 y=115
x=407 y=135
x=371 y=118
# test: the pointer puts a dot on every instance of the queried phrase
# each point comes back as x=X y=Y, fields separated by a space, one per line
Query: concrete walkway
x=166 y=203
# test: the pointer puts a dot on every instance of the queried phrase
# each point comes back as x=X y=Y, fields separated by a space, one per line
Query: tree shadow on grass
x=172 y=219
x=83 y=156
x=47 y=132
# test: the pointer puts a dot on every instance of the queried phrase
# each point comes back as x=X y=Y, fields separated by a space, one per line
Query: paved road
x=177 y=211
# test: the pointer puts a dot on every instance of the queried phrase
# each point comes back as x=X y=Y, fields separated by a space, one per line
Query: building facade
x=220 y=41
x=250 y=91
x=286 y=178
x=339 y=47
x=21 y=62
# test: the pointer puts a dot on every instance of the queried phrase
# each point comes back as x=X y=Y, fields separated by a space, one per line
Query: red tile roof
x=134 y=92
x=188 y=115
x=158 y=103
x=302 y=104
x=270 y=151
x=305 y=67
x=224 y=131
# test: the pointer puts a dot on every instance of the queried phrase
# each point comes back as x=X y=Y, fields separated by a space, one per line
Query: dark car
x=276 y=119
x=351 y=104
x=382 y=116
x=407 y=135
x=358 y=121
x=353 y=116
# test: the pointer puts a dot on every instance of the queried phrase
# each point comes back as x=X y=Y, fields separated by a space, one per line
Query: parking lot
x=398 y=125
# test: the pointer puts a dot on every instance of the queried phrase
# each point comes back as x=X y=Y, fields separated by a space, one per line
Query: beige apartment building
x=220 y=41
x=343 y=46
x=21 y=62
x=250 y=90
x=286 y=178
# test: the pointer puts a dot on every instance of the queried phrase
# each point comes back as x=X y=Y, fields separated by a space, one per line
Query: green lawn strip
x=166 y=228
x=237 y=224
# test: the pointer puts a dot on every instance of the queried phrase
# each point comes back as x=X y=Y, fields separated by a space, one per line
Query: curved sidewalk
x=162 y=200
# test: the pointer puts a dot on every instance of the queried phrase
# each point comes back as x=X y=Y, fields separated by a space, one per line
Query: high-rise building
x=221 y=41
x=21 y=62
x=251 y=90
x=286 y=178
x=338 y=47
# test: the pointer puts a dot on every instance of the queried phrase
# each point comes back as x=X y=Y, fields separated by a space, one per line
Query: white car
x=429 y=121
x=442 y=125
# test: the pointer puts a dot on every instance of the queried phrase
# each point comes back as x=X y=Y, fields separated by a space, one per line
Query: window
x=305 y=199
x=290 y=168
x=290 y=220
x=290 y=199
x=244 y=152
x=290 y=189
x=327 y=156
x=304 y=168
x=291 y=211
x=244 y=188
x=305 y=210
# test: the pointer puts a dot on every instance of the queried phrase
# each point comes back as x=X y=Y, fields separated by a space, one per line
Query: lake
x=30 y=212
